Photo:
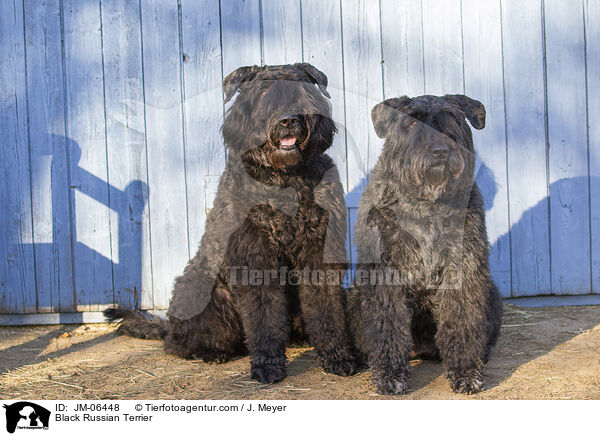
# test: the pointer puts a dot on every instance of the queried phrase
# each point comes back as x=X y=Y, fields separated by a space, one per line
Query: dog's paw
x=390 y=385
x=268 y=372
x=466 y=385
x=344 y=366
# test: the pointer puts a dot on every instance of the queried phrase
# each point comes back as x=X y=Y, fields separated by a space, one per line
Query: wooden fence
x=111 y=109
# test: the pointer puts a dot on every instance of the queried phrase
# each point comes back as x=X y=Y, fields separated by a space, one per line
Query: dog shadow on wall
x=91 y=250
x=525 y=336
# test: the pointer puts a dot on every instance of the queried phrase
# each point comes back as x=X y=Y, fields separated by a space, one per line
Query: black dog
x=279 y=206
x=422 y=218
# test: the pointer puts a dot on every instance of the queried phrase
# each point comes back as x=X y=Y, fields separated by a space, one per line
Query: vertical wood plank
x=525 y=118
x=48 y=145
x=241 y=43
x=282 y=34
x=126 y=148
x=592 y=28
x=322 y=46
x=363 y=86
x=484 y=82
x=568 y=154
x=17 y=275
x=321 y=28
x=87 y=151
x=166 y=166
x=442 y=47
x=205 y=154
x=352 y=252
x=240 y=25
x=402 y=48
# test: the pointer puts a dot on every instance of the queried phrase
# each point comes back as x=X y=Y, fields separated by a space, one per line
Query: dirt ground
x=543 y=353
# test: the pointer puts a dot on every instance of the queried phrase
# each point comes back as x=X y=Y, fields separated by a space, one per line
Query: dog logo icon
x=26 y=415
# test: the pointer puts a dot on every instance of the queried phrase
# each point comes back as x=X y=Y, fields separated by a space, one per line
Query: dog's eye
x=263 y=92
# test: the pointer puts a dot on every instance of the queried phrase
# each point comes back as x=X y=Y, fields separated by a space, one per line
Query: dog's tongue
x=288 y=141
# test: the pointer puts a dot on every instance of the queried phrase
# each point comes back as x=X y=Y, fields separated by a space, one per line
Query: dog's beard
x=437 y=175
x=435 y=181
x=284 y=158
x=271 y=155
x=286 y=145
x=437 y=178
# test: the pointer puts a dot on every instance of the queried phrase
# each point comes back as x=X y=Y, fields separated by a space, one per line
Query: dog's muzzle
x=289 y=133
x=441 y=164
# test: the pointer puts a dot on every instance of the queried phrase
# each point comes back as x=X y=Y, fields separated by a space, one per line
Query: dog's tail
x=137 y=323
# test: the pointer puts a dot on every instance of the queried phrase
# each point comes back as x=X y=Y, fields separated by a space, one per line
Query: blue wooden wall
x=111 y=151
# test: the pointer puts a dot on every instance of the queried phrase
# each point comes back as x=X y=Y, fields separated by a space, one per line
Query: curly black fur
x=279 y=204
x=422 y=214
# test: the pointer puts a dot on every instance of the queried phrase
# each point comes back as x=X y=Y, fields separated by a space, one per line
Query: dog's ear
x=473 y=109
x=233 y=81
x=388 y=111
x=316 y=76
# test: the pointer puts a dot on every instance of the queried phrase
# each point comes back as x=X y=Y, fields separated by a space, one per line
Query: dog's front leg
x=261 y=301
x=324 y=318
x=461 y=311
x=387 y=336
x=320 y=290
x=264 y=316
x=461 y=338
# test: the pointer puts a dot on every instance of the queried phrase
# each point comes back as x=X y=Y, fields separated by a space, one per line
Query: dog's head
x=281 y=117
x=429 y=144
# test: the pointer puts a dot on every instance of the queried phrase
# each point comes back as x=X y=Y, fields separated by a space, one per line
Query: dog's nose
x=289 y=122
x=440 y=151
